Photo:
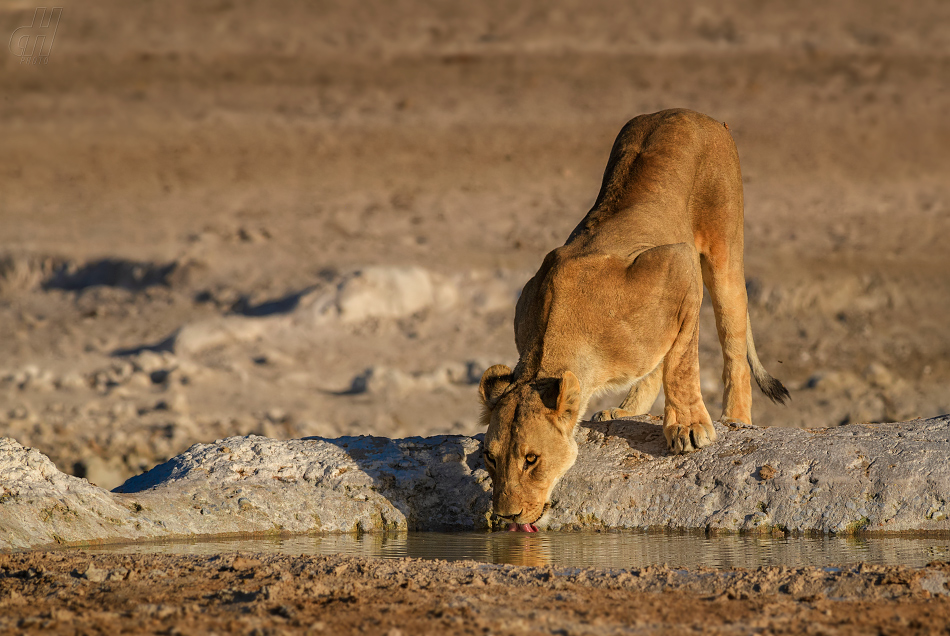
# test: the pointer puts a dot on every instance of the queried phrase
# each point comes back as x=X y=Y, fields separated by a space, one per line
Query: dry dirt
x=175 y=163
x=70 y=593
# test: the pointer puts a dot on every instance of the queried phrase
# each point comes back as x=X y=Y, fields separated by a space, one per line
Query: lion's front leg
x=686 y=424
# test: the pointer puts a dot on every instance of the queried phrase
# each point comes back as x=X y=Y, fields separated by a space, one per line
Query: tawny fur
x=618 y=304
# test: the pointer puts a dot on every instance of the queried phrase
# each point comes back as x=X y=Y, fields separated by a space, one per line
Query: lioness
x=618 y=305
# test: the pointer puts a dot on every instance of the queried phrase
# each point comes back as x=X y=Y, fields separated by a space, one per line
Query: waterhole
x=582 y=549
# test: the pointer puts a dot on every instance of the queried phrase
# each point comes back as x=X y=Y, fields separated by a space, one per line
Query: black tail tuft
x=773 y=389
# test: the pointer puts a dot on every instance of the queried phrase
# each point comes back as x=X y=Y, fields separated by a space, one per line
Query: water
x=581 y=549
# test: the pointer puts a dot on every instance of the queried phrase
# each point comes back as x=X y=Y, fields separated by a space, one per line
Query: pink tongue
x=522 y=527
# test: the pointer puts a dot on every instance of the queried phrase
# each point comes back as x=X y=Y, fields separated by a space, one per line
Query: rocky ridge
x=849 y=479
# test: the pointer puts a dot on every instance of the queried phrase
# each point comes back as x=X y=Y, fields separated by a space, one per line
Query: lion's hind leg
x=726 y=284
x=643 y=394
x=639 y=399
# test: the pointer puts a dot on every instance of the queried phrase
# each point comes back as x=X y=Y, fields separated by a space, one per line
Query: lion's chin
x=522 y=527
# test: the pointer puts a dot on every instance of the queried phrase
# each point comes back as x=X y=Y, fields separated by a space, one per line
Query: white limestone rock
x=383 y=293
x=855 y=478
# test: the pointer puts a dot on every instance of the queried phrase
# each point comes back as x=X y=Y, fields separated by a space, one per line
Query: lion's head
x=530 y=440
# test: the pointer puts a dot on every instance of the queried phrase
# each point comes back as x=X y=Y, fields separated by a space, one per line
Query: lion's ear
x=494 y=382
x=568 y=397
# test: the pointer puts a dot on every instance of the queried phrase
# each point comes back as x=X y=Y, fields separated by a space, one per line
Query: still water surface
x=582 y=549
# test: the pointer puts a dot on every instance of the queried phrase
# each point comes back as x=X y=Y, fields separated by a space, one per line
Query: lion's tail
x=772 y=388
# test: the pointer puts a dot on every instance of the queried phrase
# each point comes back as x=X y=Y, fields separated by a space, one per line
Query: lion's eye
x=489 y=459
x=530 y=460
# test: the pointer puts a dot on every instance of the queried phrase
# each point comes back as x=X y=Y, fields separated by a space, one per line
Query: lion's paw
x=733 y=423
x=688 y=438
x=611 y=414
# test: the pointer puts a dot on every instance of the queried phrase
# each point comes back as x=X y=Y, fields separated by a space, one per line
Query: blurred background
x=294 y=219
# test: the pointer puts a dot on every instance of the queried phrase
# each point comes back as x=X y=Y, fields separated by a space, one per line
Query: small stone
x=95 y=575
x=147 y=362
x=140 y=380
x=72 y=381
x=242 y=563
x=277 y=415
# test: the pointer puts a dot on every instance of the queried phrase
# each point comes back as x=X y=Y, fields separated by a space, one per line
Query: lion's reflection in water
x=626 y=550
x=521 y=548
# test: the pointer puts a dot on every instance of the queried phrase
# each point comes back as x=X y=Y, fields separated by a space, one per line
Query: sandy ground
x=70 y=593
x=178 y=164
